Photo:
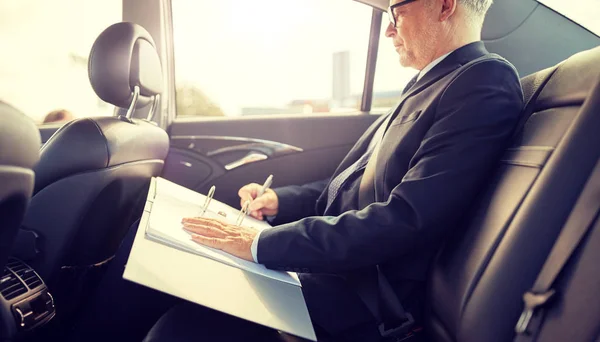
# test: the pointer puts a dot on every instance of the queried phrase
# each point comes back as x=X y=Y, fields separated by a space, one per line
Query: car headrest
x=123 y=57
x=572 y=82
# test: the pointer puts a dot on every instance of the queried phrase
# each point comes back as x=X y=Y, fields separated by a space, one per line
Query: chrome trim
x=21 y=316
x=251 y=157
x=51 y=298
x=268 y=143
x=131 y=109
x=153 y=107
x=236 y=148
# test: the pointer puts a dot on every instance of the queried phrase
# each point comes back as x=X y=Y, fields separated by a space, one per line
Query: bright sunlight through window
x=45 y=48
x=584 y=12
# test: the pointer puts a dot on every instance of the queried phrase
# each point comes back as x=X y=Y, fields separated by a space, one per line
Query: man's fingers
x=202 y=221
x=256 y=214
x=244 y=199
x=248 y=192
x=204 y=230
x=209 y=241
x=258 y=203
x=249 y=189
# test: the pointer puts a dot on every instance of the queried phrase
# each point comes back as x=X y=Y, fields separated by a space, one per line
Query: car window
x=45 y=47
x=390 y=76
x=239 y=57
x=584 y=12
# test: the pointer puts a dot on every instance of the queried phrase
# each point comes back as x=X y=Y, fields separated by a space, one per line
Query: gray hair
x=477 y=7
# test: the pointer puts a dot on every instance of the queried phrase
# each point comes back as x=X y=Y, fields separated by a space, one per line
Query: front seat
x=93 y=171
x=19 y=152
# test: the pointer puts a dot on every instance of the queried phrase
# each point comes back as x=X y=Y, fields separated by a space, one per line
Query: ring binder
x=209 y=197
x=243 y=213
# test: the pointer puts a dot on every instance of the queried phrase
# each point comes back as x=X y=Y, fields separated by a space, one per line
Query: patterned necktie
x=340 y=180
x=411 y=83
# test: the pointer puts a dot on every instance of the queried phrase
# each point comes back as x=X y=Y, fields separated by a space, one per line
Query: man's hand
x=234 y=240
x=265 y=205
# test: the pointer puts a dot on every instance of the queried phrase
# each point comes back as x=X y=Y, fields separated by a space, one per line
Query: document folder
x=172 y=202
x=164 y=258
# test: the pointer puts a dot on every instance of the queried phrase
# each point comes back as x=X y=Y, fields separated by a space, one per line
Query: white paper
x=172 y=203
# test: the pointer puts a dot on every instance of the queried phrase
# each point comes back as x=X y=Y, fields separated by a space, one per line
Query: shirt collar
x=431 y=65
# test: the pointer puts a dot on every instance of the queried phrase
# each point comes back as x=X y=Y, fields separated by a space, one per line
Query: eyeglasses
x=390 y=10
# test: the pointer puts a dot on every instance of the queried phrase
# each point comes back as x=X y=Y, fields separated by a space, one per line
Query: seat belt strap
x=578 y=224
x=379 y=297
x=374 y=289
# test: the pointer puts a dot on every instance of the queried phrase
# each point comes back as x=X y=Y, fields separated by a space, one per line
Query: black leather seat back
x=476 y=286
x=19 y=152
x=93 y=171
x=574 y=314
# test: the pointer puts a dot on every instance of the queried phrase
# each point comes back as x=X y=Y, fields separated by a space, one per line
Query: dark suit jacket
x=442 y=142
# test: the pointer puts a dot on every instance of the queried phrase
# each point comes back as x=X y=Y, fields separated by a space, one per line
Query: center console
x=25 y=302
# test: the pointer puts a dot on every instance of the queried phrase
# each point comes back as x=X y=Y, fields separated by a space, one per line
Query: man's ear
x=448 y=9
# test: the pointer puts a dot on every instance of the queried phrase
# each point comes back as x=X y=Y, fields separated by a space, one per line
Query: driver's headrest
x=122 y=57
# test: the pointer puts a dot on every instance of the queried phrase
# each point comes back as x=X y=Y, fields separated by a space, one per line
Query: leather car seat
x=94 y=170
x=19 y=152
x=478 y=279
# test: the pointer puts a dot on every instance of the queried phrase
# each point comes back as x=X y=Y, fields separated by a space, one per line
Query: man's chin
x=405 y=61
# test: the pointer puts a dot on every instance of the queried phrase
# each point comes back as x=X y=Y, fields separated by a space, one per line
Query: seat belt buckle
x=533 y=301
x=400 y=330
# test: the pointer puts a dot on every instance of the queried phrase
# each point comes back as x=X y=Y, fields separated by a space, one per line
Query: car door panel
x=231 y=153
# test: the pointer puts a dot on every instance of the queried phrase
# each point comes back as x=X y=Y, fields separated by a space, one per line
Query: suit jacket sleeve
x=475 y=116
x=298 y=201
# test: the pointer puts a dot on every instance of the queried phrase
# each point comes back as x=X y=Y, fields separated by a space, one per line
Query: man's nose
x=390 y=31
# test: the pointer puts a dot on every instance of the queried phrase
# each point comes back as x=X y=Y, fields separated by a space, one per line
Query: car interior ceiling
x=478 y=279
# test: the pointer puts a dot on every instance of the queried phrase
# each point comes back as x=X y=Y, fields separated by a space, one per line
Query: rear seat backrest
x=478 y=279
x=19 y=152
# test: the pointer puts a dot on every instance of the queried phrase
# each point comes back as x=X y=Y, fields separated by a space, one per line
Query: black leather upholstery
x=19 y=152
x=95 y=143
x=479 y=277
x=122 y=57
x=93 y=171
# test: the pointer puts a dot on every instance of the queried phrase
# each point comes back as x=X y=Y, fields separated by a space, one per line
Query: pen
x=265 y=186
x=210 y=195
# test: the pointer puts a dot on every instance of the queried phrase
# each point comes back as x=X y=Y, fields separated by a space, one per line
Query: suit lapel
x=355 y=152
x=368 y=187
x=453 y=61
x=360 y=147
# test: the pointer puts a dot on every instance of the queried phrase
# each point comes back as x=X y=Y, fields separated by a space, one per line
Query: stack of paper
x=170 y=203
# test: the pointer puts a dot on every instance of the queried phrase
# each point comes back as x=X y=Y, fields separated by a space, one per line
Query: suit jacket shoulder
x=439 y=148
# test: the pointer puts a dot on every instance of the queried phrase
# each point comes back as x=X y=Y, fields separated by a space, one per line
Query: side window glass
x=238 y=58
x=45 y=49
x=390 y=76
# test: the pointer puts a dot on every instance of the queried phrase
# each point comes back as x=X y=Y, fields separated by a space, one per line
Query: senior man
x=373 y=228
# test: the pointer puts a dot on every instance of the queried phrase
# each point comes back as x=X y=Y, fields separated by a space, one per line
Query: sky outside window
x=266 y=53
x=584 y=12
x=45 y=46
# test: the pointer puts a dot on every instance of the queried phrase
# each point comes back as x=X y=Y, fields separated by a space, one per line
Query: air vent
x=11 y=286
x=26 y=273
